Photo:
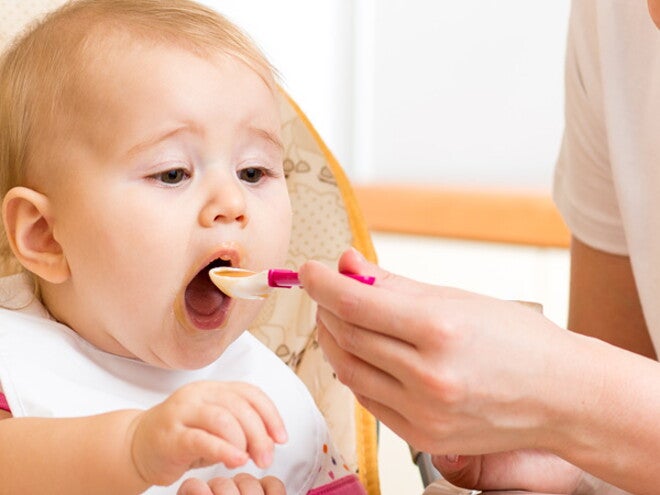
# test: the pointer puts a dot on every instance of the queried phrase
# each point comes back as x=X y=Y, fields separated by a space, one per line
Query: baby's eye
x=173 y=176
x=251 y=174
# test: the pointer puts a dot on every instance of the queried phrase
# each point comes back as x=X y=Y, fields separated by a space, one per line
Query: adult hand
x=205 y=423
x=241 y=484
x=449 y=371
x=530 y=470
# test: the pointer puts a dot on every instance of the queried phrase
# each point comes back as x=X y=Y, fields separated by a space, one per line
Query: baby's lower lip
x=209 y=322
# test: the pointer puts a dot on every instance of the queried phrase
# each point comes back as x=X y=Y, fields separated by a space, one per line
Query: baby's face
x=174 y=162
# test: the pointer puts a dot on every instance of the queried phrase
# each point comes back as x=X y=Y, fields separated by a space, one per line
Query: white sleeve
x=584 y=190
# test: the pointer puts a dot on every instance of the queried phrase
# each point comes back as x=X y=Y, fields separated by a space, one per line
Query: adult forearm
x=69 y=455
x=609 y=423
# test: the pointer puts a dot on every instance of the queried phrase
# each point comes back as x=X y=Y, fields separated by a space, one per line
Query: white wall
x=446 y=91
x=467 y=91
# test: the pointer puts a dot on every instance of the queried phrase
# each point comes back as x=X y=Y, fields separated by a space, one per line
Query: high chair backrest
x=326 y=221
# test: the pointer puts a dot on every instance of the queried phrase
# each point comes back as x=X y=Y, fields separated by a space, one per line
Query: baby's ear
x=29 y=228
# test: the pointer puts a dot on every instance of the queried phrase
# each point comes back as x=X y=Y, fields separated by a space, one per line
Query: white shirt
x=607 y=180
x=48 y=370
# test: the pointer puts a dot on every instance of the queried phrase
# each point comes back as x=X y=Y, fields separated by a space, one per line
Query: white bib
x=47 y=370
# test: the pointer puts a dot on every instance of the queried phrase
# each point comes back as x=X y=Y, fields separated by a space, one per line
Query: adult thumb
x=353 y=261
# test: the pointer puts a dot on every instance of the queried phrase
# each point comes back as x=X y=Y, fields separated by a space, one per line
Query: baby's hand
x=205 y=423
x=241 y=484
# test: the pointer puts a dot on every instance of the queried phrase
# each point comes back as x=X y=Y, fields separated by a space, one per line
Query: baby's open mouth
x=205 y=304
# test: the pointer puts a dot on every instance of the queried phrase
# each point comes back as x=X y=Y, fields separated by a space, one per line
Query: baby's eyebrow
x=162 y=136
x=268 y=136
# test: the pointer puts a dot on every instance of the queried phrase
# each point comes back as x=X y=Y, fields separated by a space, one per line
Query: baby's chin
x=192 y=348
x=188 y=357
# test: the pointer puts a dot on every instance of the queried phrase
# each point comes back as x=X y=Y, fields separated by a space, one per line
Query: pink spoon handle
x=365 y=279
x=283 y=278
x=288 y=278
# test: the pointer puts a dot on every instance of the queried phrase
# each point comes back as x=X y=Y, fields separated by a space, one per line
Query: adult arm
x=458 y=373
x=604 y=302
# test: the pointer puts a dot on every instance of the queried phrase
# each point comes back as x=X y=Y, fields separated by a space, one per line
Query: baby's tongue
x=202 y=297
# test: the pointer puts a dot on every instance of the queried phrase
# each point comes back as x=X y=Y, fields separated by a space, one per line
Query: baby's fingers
x=246 y=417
x=260 y=444
x=245 y=484
x=216 y=435
x=266 y=410
x=273 y=486
x=208 y=449
x=194 y=486
x=222 y=422
x=224 y=486
x=241 y=484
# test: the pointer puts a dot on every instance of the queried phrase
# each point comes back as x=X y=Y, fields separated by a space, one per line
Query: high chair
x=326 y=221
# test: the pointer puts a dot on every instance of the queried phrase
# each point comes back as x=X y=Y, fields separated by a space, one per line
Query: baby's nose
x=226 y=204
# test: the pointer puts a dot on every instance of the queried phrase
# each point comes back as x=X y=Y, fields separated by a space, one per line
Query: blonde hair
x=43 y=66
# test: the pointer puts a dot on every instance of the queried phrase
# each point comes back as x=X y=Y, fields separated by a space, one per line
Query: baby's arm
x=69 y=455
x=127 y=451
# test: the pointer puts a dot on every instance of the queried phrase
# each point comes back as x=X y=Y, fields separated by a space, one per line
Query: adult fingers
x=531 y=470
x=390 y=312
x=361 y=377
x=406 y=426
x=464 y=471
x=352 y=261
x=392 y=355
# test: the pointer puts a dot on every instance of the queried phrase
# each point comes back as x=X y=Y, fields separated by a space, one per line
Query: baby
x=140 y=146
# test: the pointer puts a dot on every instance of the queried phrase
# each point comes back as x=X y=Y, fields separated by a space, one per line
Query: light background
x=452 y=92
x=446 y=92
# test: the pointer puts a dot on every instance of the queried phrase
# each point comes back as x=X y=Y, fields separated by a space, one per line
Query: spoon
x=246 y=284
